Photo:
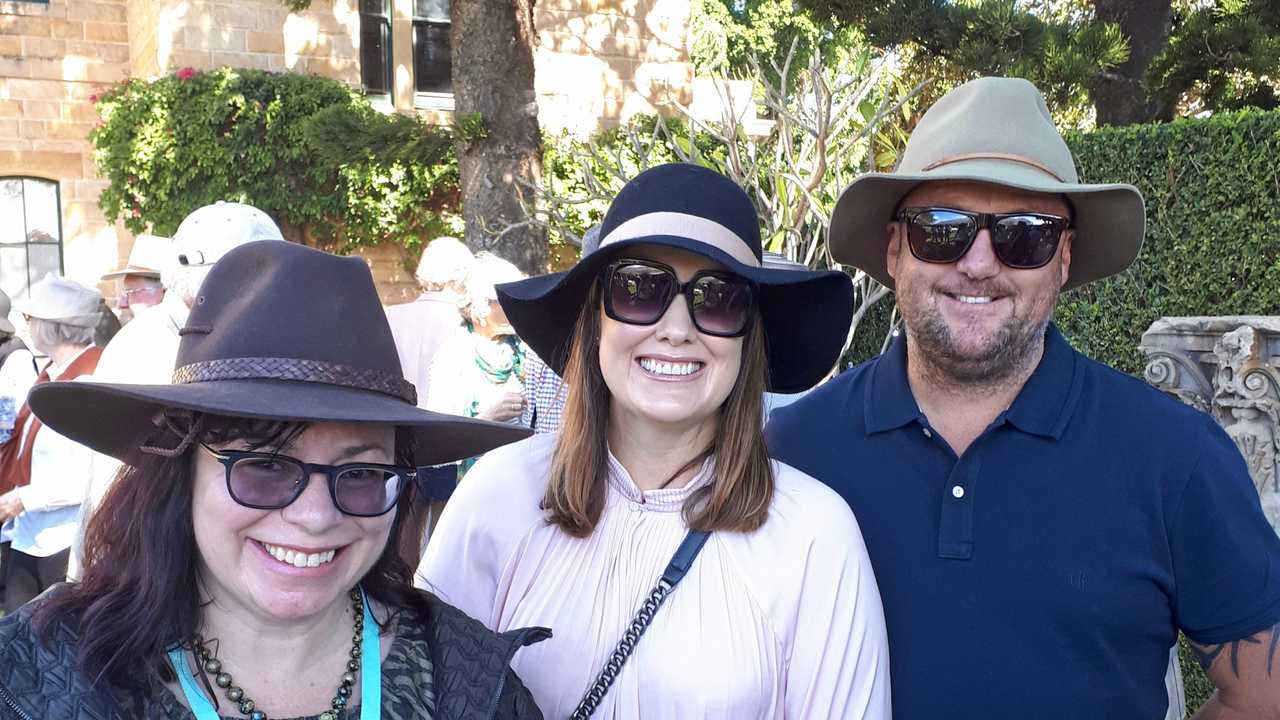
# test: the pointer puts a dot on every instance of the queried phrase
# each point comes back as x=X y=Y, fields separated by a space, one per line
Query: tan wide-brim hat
x=149 y=255
x=992 y=130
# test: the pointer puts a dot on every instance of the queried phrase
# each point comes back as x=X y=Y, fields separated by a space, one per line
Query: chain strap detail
x=675 y=572
x=623 y=651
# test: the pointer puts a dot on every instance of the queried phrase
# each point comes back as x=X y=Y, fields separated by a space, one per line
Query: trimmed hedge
x=1212 y=189
x=1213 y=228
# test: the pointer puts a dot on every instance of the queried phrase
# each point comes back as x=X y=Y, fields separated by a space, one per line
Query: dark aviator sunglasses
x=1021 y=240
x=638 y=292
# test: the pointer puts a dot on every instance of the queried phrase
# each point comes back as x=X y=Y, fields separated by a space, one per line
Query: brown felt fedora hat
x=992 y=130
x=278 y=331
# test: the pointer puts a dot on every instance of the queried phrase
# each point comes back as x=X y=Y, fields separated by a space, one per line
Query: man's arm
x=1247 y=675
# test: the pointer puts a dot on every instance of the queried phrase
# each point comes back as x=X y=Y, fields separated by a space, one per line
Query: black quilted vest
x=473 y=680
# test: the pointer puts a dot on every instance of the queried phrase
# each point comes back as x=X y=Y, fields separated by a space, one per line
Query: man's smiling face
x=976 y=319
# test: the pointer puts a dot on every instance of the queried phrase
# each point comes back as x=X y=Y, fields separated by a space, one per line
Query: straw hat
x=149 y=255
x=993 y=130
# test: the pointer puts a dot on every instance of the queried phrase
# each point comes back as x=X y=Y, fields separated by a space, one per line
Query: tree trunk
x=492 y=54
x=1119 y=96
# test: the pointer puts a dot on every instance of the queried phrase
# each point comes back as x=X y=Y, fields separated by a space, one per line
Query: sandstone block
x=10 y=45
x=63 y=165
x=43 y=47
x=42 y=110
x=24 y=25
x=106 y=32
x=67 y=29
x=265 y=42
x=107 y=52
x=24 y=89
x=99 y=11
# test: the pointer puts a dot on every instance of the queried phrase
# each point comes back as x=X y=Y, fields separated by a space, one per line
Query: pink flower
x=93 y=98
x=186 y=73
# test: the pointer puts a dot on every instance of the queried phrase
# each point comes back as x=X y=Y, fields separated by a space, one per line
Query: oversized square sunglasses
x=270 y=481
x=638 y=292
x=1021 y=240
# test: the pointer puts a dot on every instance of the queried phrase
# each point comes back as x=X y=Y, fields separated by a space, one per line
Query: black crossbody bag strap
x=675 y=572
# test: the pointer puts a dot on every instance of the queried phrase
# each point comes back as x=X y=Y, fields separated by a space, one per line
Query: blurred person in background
x=9 y=343
x=422 y=327
x=43 y=475
x=138 y=285
x=143 y=351
x=476 y=373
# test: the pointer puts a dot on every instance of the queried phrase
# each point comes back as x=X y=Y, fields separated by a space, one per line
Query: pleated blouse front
x=783 y=622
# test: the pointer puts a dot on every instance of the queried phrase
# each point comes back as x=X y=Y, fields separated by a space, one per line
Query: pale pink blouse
x=783 y=622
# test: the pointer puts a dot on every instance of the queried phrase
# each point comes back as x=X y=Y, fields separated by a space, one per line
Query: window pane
x=431 y=10
x=43 y=259
x=432 y=68
x=13 y=271
x=374 y=53
x=373 y=7
x=41 y=199
x=14 y=229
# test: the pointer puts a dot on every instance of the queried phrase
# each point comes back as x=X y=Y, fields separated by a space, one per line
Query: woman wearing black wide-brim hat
x=244 y=564
x=685 y=574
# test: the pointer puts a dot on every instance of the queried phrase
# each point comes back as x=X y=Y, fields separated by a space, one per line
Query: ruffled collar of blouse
x=665 y=500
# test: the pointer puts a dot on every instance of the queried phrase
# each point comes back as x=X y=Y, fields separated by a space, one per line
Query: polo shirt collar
x=1046 y=402
x=1043 y=407
x=889 y=403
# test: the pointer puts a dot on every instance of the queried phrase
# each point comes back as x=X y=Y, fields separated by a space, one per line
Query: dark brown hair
x=738 y=499
x=138 y=595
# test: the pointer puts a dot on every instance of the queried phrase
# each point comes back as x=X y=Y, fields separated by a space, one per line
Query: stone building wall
x=54 y=58
x=598 y=62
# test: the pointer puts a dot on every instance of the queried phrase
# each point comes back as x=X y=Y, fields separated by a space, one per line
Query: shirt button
x=928 y=433
x=957 y=492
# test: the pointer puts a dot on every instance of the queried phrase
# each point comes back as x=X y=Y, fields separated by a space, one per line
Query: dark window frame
x=27 y=242
x=430 y=96
x=388 y=65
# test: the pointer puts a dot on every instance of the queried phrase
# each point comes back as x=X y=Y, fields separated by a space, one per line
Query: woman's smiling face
x=325 y=552
x=668 y=373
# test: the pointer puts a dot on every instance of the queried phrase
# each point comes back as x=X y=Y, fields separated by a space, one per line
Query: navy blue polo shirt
x=1044 y=573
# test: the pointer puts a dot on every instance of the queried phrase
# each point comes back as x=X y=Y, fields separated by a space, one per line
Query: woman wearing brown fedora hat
x=685 y=574
x=244 y=563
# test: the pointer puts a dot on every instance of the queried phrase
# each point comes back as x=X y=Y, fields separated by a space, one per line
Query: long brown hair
x=738 y=499
x=138 y=595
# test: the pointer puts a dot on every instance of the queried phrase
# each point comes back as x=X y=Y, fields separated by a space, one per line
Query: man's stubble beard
x=1015 y=345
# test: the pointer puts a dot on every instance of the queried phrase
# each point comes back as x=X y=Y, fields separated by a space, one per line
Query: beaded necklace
x=364 y=650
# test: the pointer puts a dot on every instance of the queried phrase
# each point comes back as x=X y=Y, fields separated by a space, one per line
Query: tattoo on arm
x=1206 y=654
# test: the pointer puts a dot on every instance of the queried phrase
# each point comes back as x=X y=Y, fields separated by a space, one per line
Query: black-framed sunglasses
x=1021 y=240
x=270 y=481
x=638 y=292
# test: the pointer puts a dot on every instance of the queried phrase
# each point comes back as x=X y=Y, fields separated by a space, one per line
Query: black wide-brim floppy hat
x=278 y=331
x=996 y=131
x=805 y=314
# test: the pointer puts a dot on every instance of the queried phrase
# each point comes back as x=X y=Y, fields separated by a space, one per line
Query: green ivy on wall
x=308 y=150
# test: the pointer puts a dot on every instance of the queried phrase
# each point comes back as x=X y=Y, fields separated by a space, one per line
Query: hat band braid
x=993 y=156
x=268 y=368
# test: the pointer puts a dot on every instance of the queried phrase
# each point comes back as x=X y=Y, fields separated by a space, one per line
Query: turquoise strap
x=370 y=667
x=370 y=674
x=200 y=706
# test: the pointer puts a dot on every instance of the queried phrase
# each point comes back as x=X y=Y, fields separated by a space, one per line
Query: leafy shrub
x=310 y=151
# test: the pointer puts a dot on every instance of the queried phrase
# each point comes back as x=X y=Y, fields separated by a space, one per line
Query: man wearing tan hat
x=138 y=285
x=1041 y=526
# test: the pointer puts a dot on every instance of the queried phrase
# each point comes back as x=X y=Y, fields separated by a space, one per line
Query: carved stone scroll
x=1230 y=368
